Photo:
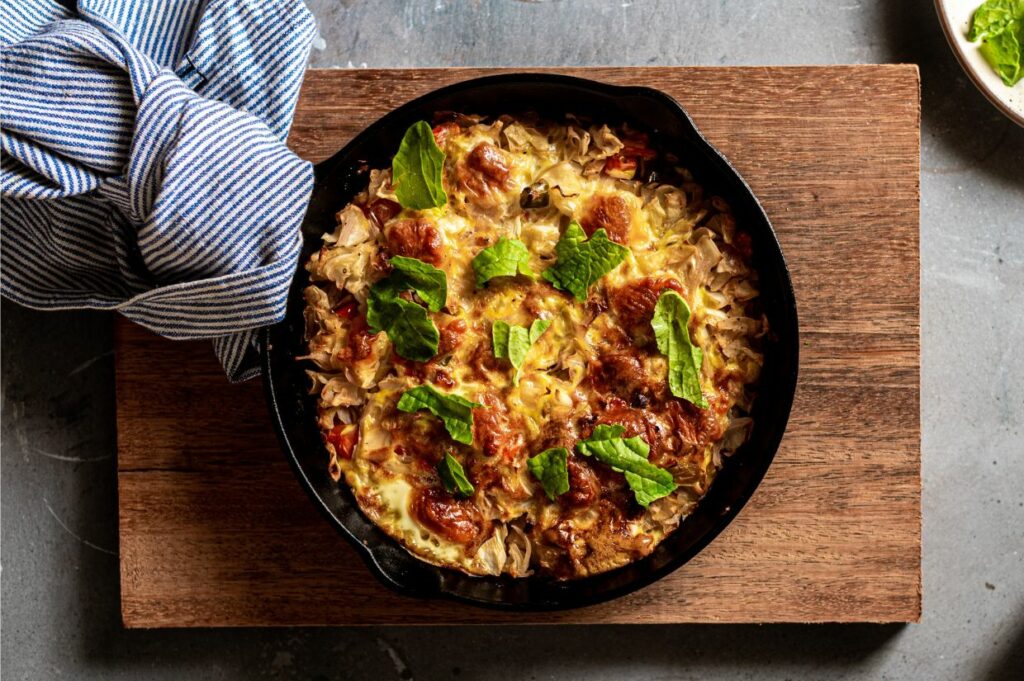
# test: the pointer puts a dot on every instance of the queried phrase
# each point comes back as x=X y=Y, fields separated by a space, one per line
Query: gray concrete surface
x=59 y=580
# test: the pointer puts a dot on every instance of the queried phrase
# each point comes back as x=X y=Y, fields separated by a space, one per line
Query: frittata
x=534 y=344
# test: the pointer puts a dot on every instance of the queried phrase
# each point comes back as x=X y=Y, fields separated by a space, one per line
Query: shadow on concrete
x=1010 y=665
x=805 y=651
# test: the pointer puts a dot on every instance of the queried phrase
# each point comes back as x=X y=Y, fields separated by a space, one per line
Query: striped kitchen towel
x=144 y=165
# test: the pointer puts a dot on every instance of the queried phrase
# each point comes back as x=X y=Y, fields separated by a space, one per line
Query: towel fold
x=144 y=163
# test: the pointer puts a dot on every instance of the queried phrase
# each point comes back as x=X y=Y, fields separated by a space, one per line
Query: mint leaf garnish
x=582 y=261
x=550 y=467
x=429 y=282
x=407 y=324
x=506 y=258
x=416 y=169
x=453 y=477
x=411 y=332
x=456 y=412
x=629 y=457
x=512 y=342
x=538 y=328
x=670 y=320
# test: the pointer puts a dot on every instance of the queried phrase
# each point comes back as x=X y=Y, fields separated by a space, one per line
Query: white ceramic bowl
x=955 y=17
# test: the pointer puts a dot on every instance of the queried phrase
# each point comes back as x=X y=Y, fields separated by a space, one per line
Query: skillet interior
x=342 y=176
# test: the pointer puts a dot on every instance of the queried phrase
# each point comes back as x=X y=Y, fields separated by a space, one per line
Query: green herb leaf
x=538 y=328
x=429 y=283
x=409 y=328
x=500 y=332
x=993 y=17
x=512 y=342
x=417 y=168
x=506 y=258
x=381 y=306
x=453 y=477
x=1003 y=53
x=456 y=412
x=551 y=468
x=581 y=262
x=518 y=346
x=629 y=456
x=999 y=24
x=670 y=320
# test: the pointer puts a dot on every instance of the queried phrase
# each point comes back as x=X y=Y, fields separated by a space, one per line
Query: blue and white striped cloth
x=144 y=162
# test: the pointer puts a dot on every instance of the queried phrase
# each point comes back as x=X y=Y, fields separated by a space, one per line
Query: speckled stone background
x=60 y=582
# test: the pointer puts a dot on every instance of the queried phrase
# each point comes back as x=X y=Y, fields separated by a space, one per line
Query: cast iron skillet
x=294 y=411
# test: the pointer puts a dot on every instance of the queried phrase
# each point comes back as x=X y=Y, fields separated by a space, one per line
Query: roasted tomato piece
x=610 y=213
x=450 y=336
x=360 y=340
x=347 y=309
x=695 y=426
x=382 y=210
x=637 y=145
x=624 y=375
x=635 y=149
x=743 y=245
x=584 y=487
x=620 y=167
x=442 y=378
x=415 y=238
x=443 y=130
x=344 y=437
x=458 y=520
x=633 y=303
x=483 y=169
x=493 y=432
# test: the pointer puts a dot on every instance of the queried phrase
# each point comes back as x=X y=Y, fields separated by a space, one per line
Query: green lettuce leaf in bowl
x=999 y=25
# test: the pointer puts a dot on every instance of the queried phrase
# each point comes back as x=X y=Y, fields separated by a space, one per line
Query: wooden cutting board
x=215 y=530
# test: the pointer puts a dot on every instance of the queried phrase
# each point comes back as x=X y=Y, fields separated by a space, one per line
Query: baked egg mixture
x=534 y=343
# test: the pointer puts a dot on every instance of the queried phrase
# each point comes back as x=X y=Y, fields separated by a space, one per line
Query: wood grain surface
x=215 y=530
